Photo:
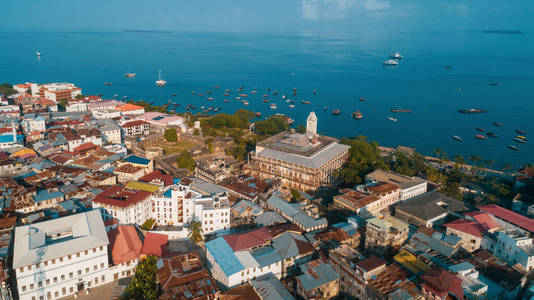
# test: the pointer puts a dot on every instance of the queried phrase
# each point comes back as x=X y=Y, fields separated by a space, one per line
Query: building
x=55 y=91
x=473 y=288
x=181 y=205
x=128 y=173
x=388 y=282
x=512 y=246
x=184 y=276
x=138 y=161
x=246 y=210
x=76 y=105
x=305 y=219
x=441 y=285
x=354 y=274
x=32 y=123
x=61 y=257
x=234 y=259
x=433 y=246
x=126 y=206
x=125 y=249
x=409 y=186
x=269 y=287
x=111 y=132
x=429 y=209
x=508 y=219
x=129 y=109
x=216 y=168
x=370 y=200
x=137 y=127
x=319 y=280
x=300 y=161
x=384 y=235
x=472 y=229
x=293 y=248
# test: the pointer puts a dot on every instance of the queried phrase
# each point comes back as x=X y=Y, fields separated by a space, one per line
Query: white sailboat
x=160 y=82
x=38 y=53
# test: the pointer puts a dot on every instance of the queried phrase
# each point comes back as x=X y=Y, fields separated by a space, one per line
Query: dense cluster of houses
x=80 y=211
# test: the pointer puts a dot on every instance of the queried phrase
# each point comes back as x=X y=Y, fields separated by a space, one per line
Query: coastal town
x=121 y=199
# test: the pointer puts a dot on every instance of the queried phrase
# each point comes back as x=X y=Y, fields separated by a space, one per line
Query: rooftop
x=249 y=239
x=509 y=216
x=124 y=244
x=387 y=223
x=316 y=273
x=155 y=244
x=270 y=288
x=55 y=238
x=137 y=160
x=432 y=205
x=119 y=196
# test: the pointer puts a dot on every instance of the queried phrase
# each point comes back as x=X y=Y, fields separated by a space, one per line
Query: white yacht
x=38 y=53
x=160 y=82
x=390 y=62
x=392 y=119
x=395 y=55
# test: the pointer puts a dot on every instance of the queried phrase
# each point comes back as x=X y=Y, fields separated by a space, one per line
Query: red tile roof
x=117 y=195
x=128 y=107
x=371 y=263
x=135 y=123
x=466 y=226
x=441 y=282
x=155 y=244
x=84 y=147
x=157 y=175
x=509 y=216
x=124 y=244
x=253 y=238
x=484 y=219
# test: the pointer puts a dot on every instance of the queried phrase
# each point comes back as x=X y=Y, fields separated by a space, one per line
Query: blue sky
x=267 y=15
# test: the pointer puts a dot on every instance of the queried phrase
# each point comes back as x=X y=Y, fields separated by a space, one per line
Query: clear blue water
x=342 y=68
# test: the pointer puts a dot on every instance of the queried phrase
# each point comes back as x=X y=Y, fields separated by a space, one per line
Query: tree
x=209 y=142
x=272 y=125
x=459 y=160
x=80 y=96
x=295 y=195
x=170 y=135
x=195 y=233
x=301 y=128
x=143 y=285
x=185 y=161
x=364 y=157
x=7 y=89
x=148 y=224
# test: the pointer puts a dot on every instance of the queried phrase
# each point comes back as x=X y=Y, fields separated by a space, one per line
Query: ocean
x=340 y=67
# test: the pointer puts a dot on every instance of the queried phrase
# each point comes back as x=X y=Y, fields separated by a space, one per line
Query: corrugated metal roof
x=224 y=256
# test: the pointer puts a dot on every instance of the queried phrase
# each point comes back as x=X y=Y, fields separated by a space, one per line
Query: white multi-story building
x=137 y=127
x=180 y=205
x=83 y=136
x=512 y=246
x=76 y=105
x=37 y=123
x=123 y=205
x=409 y=186
x=61 y=257
x=111 y=132
x=55 y=91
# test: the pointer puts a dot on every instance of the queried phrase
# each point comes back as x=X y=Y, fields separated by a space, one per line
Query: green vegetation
x=272 y=125
x=295 y=195
x=148 y=224
x=7 y=89
x=80 y=96
x=178 y=147
x=185 y=161
x=170 y=135
x=150 y=107
x=364 y=158
x=301 y=128
x=195 y=232
x=225 y=124
x=143 y=285
x=209 y=142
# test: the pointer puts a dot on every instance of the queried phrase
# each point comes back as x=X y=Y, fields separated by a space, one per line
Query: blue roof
x=8 y=138
x=324 y=274
x=134 y=159
x=266 y=256
x=46 y=195
x=271 y=288
x=292 y=210
x=168 y=193
x=224 y=256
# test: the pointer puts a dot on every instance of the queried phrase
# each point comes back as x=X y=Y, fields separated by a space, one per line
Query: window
x=71 y=289
x=79 y=272
x=47 y=281
x=55 y=279
x=78 y=254
x=86 y=270
x=63 y=291
x=40 y=284
x=70 y=257
x=94 y=250
x=31 y=286
x=96 y=280
x=71 y=275
x=23 y=288
x=95 y=267
x=56 y=294
x=101 y=265
x=61 y=259
x=46 y=263
x=86 y=252
x=62 y=276
x=103 y=278
x=21 y=269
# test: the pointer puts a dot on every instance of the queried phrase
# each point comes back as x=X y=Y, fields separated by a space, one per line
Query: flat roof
x=401 y=180
x=39 y=242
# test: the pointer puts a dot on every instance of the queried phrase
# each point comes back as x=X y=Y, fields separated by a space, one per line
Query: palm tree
x=459 y=159
x=475 y=159
x=195 y=232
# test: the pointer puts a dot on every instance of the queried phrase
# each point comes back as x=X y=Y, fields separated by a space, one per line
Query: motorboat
x=129 y=75
x=481 y=129
x=497 y=124
x=457 y=138
x=481 y=137
x=491 y=134
x=390 y=62
x=513 y=147
x=395 y=55
x=336 y=112
x=357 y=114
x=392 y=119
x=38 y=54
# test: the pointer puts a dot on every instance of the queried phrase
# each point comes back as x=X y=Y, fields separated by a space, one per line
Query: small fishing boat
x=519 y=140
x=519 y=131
x=226 y=100
x=200 y=95
x=392 y=119
x=245 y=102
x=265 y=100
x=497 y=124
x=273 y=106
x=291 y=106
x=38 y=54
x=125 y=97
x=494 y=84
x=481 y=129
x=226 y=94
x=210 y=98
x=108 y=83
x=315 y=92
x=362 y=99
x=305 y=102
x=357 y=114
x=524 y=138
x=336 y=112
x=275 y=93
x=265 y=95
x=217 y=109
x=216 y=87
x=129 y=75
x=481 y=137
x=193 y=93
x=237 y=98
x=228 y=90
x=243 y=95
x=513 y=147
x=290 y=121
x=395 y=55
x=491 y=134
x=471 y=111
x=401 y=110
x=258 y=114
x=457 y=138
x=202 y=107
x=115 y=96
x=174 y=95
x=253 y=92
